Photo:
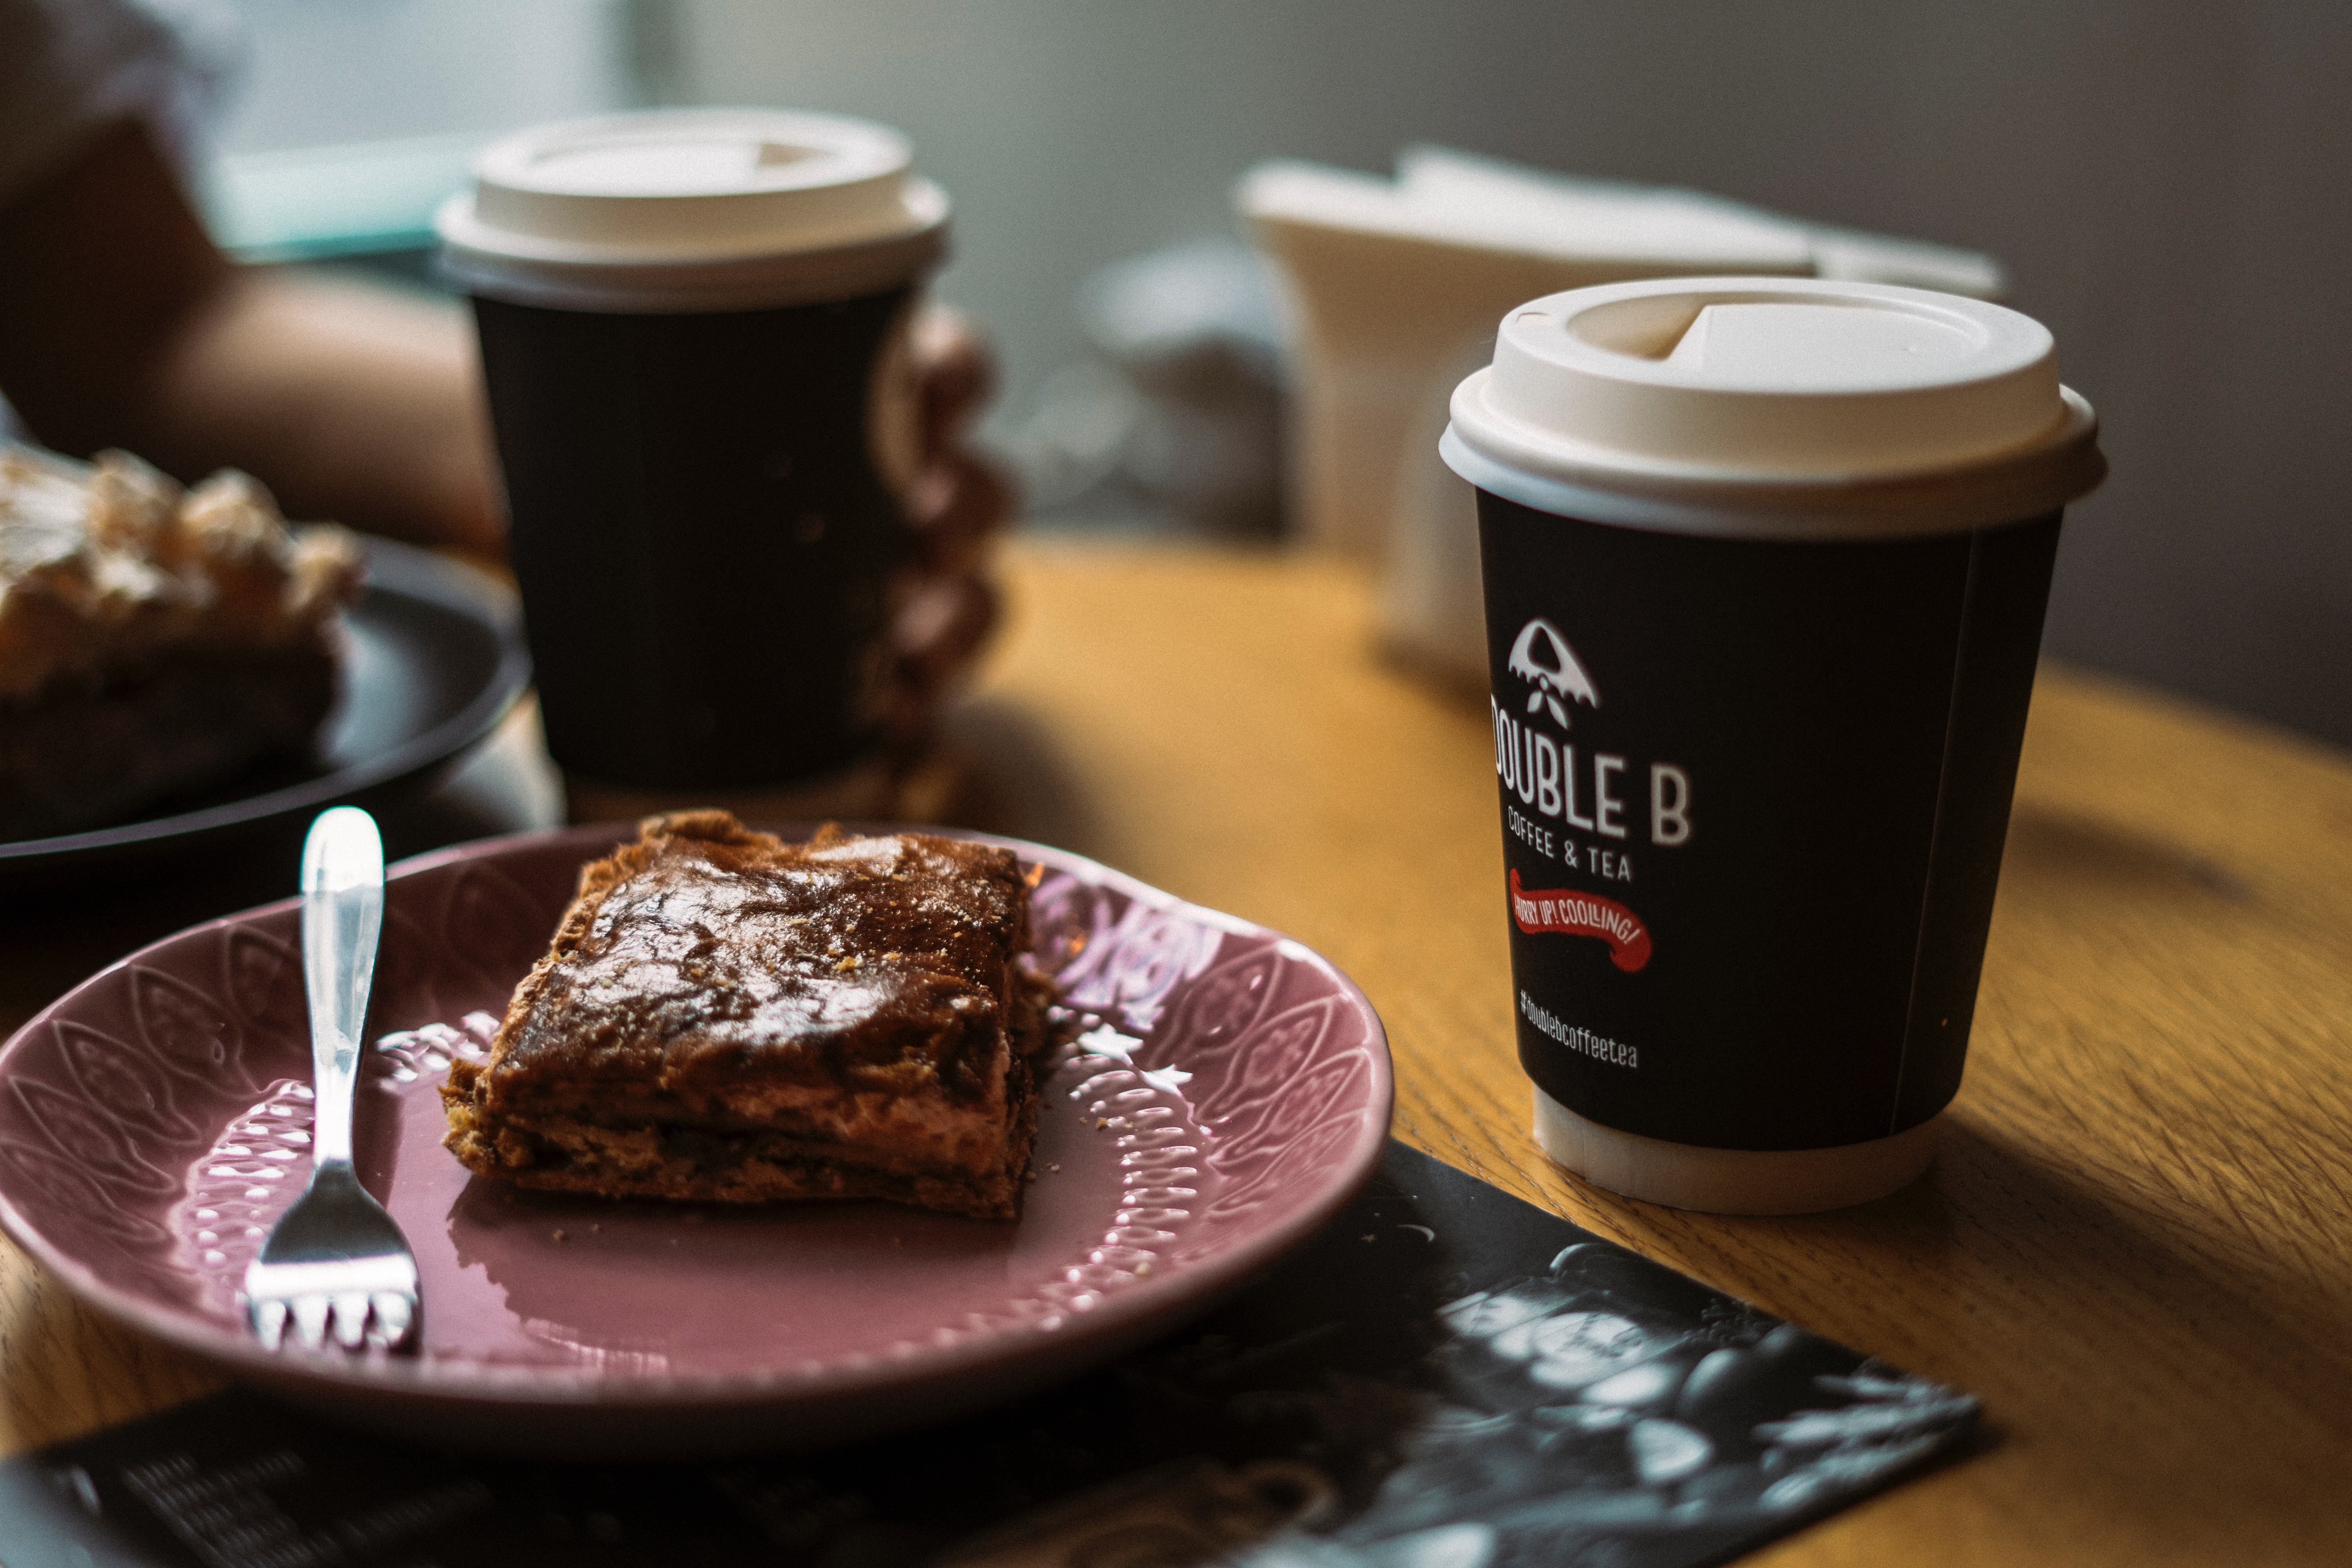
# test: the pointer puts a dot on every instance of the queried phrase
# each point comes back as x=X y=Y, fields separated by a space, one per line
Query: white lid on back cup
x=1774 y=408
x=693 y=210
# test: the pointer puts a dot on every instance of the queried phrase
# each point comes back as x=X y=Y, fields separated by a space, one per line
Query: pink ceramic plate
x=1233 y=1090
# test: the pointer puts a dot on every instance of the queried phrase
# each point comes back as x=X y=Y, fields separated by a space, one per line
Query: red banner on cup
x=1569 y=912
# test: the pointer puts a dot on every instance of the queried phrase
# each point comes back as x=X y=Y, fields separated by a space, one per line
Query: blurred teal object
x=311 y=203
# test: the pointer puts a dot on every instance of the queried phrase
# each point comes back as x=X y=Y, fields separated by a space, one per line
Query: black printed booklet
x=1446 y=1378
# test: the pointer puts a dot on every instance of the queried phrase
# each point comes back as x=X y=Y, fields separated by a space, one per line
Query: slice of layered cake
x=727 y=1015
x=153 y=641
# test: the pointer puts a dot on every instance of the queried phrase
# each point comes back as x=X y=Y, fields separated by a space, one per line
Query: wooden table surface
x=2135 y=1244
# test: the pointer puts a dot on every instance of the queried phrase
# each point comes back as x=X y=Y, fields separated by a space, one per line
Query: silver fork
x=336 y=1261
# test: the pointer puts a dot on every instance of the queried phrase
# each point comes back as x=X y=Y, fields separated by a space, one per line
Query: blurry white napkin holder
x=1395 y=289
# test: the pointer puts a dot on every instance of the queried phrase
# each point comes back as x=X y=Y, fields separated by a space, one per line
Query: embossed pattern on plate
x=1228 y=1092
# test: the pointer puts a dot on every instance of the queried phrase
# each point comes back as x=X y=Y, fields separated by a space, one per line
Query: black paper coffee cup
x=694 y=330
x=1765 y=563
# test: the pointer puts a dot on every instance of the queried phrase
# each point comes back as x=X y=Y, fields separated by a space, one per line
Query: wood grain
x=2136 y=1243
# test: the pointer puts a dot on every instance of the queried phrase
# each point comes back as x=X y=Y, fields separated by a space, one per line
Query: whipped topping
x=112 y=563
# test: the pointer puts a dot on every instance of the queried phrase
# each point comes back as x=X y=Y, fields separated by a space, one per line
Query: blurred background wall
x=2165 y=179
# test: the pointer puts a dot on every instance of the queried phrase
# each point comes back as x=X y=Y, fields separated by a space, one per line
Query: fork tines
x=369 y=1300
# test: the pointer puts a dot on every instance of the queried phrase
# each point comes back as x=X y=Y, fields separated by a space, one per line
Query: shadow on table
x=1011 y=775
x=2063 y=847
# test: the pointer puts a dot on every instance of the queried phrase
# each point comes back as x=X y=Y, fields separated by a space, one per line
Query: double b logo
x=1589 y=794
x=1542 y=658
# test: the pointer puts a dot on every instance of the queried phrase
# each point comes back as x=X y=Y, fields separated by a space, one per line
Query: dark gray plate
x=436 y=659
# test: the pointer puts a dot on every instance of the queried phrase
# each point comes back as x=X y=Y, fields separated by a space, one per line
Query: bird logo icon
x=1542 y=656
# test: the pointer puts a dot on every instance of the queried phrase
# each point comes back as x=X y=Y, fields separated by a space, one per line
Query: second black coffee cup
x=694 y=330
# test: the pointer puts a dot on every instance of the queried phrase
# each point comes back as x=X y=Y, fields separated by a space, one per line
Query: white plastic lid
x=703 y=209
x=1774 y=408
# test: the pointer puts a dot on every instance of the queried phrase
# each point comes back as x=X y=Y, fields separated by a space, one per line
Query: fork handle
x=342 y=914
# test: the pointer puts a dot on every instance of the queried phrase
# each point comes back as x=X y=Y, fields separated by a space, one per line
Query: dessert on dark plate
x=153 y=641
x=726 y=1015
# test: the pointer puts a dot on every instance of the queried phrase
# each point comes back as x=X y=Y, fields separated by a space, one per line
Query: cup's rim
x=830 y=208
x=1566 y=420
x=652 y=282
x=1732 y=503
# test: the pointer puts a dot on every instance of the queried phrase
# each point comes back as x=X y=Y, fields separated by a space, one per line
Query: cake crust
x=725 y=1016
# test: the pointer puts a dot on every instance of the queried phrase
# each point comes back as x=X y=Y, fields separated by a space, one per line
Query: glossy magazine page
x=1445 y=1377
